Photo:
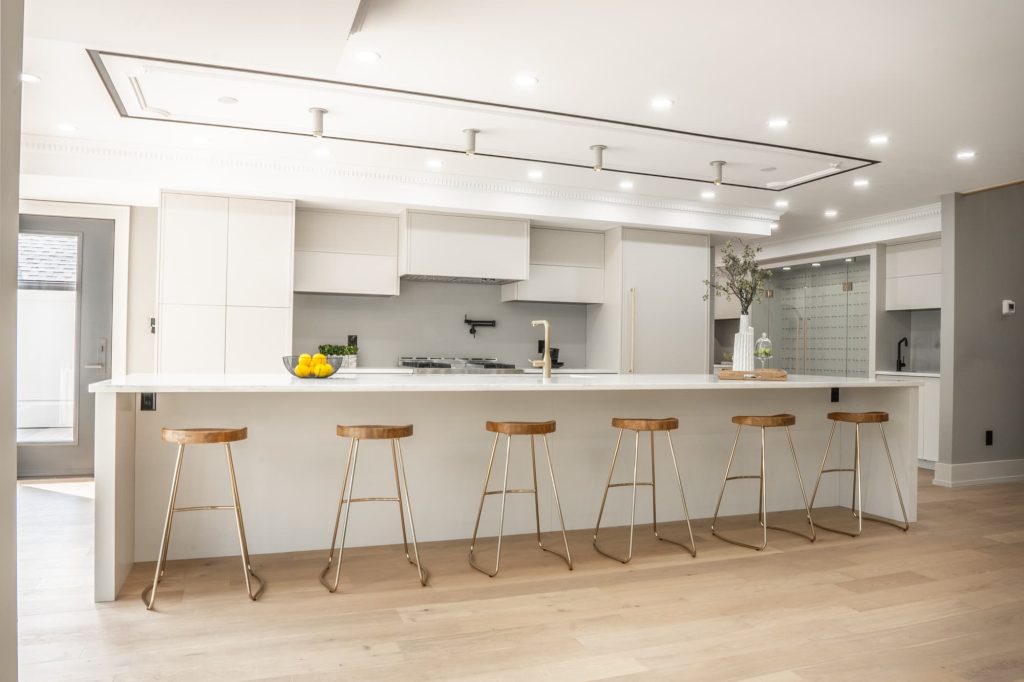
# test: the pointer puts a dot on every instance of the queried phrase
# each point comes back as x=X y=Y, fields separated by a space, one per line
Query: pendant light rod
x=471 y=140
x=718 y=165
x=598 y=150
x=318 y=121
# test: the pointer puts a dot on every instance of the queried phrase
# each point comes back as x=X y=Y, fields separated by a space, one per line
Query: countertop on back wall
x=892 y=373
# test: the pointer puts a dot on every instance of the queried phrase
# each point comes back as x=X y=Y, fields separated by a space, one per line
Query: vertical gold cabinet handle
x=632 y=330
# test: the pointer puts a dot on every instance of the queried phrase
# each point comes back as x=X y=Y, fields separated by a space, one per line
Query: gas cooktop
x=457 y=365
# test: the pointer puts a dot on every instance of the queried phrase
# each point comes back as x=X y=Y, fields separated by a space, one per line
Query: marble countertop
x=891 y=373
x=381 y=383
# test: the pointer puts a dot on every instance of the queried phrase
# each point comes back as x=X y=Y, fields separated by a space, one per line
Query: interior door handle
x=101 y=354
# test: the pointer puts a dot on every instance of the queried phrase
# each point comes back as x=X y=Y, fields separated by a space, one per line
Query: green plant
x=763 y=353
x=739 y=275
x=331 y=349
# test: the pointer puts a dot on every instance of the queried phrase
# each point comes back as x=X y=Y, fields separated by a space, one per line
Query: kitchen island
x=289 y=470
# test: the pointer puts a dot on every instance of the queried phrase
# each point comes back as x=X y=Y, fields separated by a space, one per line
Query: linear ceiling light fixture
x=471 y=140
x=598 y=150
x=718 y=166
x=318 y=121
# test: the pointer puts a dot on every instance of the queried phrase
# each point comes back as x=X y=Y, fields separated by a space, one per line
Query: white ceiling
x=936 y=76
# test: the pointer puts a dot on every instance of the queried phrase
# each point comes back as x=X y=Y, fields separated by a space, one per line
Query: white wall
x=11 y=22
x=46 y=358
x=142 y=289
x=427 y=319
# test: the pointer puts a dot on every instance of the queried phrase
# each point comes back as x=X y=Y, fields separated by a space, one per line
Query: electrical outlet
x=988 y=437
x=835 y=395
x=147 y=402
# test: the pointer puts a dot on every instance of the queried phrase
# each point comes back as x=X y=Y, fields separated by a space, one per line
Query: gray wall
x=427 y=319
x=982 y=351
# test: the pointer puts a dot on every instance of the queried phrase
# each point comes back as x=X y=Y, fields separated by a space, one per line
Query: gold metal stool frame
x=782 y=420
x=692 y=549
x=197 y=437
x=394 y=434
x=856 y=499
x=518 y=428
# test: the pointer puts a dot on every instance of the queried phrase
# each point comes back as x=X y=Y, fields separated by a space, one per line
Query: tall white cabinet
x=224 y=284
x=653 y=319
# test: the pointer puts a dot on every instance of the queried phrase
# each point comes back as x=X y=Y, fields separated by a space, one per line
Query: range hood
x=457 y=280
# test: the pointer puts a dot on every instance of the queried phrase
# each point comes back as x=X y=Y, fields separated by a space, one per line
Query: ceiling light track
x=97 y=57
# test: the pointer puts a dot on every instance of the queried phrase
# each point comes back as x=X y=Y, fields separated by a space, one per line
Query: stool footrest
x=628 y=485
x=829 y=471
x=371 y=499
x=208 y=507
x=733 y=478
x=511 y=490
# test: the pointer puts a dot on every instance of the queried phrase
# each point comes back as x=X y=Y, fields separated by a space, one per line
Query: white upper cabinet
x=260 y=244
x=193 y=249
x=566 y=266
x=913 y=275
x=346 y=253
x=442 y=245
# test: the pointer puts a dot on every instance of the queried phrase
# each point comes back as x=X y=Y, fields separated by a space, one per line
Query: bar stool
x=644 y=425
x=531 y=429
x=763 y=422
x=858 y=418
x=185 y=437
x=373 y=432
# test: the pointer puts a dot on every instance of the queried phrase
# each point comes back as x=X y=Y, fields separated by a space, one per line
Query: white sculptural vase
x=743 y=346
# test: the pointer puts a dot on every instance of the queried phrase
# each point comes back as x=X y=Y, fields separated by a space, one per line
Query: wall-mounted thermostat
x=1009 y=307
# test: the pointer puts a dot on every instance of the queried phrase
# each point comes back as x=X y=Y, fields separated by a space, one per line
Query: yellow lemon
x=323 y=370
x=302 y=371
x=319 y=359
x=305 y=359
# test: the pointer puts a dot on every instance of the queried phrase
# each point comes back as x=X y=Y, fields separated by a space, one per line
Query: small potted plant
x=740 y=275
x=346 y=355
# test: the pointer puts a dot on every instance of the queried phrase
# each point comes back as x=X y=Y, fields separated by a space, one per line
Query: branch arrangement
x=739 y=275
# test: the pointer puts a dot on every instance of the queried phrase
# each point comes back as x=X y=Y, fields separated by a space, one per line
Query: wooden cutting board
x=756 y=375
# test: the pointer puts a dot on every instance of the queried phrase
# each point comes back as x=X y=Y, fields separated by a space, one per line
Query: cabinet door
x=259 y=254
x=256 y=339
x=666 y=273
x=190 y=339
x=193 y=249
x=444 y=245
x=346 y=273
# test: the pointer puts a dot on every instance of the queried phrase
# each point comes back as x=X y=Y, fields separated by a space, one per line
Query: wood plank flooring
x=944 y=602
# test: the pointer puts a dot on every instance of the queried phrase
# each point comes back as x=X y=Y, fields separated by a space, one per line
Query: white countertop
x=378 y=383
x=891 y=373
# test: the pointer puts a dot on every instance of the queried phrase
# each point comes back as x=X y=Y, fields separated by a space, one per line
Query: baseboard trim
x=926 y=464
x=979 y=473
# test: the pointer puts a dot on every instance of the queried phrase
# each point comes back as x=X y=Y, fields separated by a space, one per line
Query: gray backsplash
x=427 y=319
x=924 y=340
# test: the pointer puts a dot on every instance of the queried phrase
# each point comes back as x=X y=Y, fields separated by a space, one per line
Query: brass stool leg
x=800 y=481
x=567 y=558
x=762 y=513
x=353 y=455
x=149 y=594
x=246 y=563
x=501 y=518
x=396 y=447
x=857 y=488
x=632 y=515
x=892 y=469
x=692 y=549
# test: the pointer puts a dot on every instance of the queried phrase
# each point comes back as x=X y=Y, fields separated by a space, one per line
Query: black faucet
x=899 y=356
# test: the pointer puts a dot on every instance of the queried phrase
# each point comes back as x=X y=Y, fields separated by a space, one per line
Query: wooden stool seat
x=522 y=428
x=768 y=421
x=859 y=417
x=666 y=424
x=203 y=436
x=375 y=431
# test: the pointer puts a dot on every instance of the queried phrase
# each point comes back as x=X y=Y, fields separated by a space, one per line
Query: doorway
x=65 y=315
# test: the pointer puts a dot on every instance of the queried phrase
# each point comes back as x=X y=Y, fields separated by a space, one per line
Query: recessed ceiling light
x=661 y=103
x=878 y=139
x=434 y=163
x=781 y=203
x=861 y=182
x=787 y=268
x=778 y=123
x=831 y=213
x=535 y=174
x=227 y=100
x=815 y=265
x=66 y=128
x=322 y=152
x=965 y=155
x=626 y=184
x=29 y=78
x=525 y=80
x=368 y=56
x=200 y=139
x=849 y=260
x=707 y=194
x=775 y=226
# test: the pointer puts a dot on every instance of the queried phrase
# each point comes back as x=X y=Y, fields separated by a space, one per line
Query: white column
x=115 y=492
x=11 y=27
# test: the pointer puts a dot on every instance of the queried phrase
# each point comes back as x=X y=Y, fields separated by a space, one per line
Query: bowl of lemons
x=308 y=366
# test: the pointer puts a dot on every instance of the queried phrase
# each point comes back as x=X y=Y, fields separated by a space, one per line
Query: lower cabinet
x=255 y=339
x=191 y=339
x=929 y=415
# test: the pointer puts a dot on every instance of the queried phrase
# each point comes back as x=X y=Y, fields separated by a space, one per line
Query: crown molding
x=103 y=150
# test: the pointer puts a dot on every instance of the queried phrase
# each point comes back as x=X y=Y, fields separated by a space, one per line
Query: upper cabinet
x=448 y=246
x=224 y=286
x=566 y=266
x=913 y=275
x=346 y=253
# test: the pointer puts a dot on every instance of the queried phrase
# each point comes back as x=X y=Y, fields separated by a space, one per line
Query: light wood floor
x=944 y=602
